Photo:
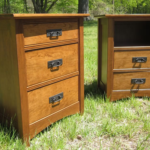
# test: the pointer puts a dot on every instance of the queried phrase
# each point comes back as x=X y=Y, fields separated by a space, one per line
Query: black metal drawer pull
x=55 y=63
x=138 y=81
x=139 y=59
x=54 y=32
x=56 y=98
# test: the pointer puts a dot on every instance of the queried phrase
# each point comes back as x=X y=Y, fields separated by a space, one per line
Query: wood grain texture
x=117 y=95
x=38 y=126
x=12 y=94
x=122 y=81
x=110 y=57
x=48 y=82
x=41 y=16
x=37 y=63
x=39 y=105
x=123 y=16
x=128 y=48
x=123 y=59
x=131 y=70
x=9 y=80
x=81 y=66
x=48 y=20
x=52 y=44
x=22 y=81
x=36 y=33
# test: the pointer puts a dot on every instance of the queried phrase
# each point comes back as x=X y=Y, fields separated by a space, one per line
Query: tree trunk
x=25 y=5
x=83 y=7
x=7 y=6
x=41 y=6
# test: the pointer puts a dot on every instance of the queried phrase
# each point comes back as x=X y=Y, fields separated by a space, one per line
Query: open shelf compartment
x=131 y=33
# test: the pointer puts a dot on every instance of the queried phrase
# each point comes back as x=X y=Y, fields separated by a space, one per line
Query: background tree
x=43 y=6
x=83 y=7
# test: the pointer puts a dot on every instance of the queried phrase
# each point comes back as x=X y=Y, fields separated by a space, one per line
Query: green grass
x=123 y=124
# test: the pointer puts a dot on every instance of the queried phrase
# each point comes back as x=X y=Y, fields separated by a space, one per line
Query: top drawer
x=37 y=33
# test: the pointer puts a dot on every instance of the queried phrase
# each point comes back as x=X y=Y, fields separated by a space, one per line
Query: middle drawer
x=38 y=63
x=131 y=59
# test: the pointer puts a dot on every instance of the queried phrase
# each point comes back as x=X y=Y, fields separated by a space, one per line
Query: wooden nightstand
x=41 y=69
x=124 y=55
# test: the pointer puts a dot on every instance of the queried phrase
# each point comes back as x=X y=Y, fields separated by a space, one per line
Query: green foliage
x=67 y=6
x=15 y=6
x=96 y=7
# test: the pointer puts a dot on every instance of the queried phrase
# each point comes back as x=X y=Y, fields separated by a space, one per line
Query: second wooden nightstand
x=124 y=55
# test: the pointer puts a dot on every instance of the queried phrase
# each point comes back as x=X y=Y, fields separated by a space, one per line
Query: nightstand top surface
x=122 y=16
x=40 y=16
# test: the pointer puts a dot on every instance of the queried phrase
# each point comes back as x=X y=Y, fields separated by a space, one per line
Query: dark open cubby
x=132 y=33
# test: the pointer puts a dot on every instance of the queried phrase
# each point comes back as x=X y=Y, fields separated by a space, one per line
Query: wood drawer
x=122 y=81
x=38 y=99
x=123 y=59
x=37 y=63
x=37 y=33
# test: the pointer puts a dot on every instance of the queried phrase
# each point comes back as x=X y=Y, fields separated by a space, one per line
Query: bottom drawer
x=127 y=81
x=39 y=102
x=38 y=126
x=116 y=95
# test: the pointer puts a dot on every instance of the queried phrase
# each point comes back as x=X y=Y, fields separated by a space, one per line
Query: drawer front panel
x=38 y=33
x=129 y=81
x=39 y=99
x=64 y=60
x=131 y=59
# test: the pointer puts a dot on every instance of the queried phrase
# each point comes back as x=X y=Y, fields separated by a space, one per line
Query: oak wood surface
x=38 y=126
x=9 y=80
x=48 y=20
x=128 y=48
x=36 y=33
x=131 y=70
x=37 y=63
x=44 y=15
x=48 y=45
x=123 y=59
x=81 y=65
x=133 y=16
x=110 y=59
x=116 y=95
x=22 y=81
x=39 y=105
x=48 y=82
x=122 y=81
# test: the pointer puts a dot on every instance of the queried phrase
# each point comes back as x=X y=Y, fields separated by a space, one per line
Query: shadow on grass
x=93 y=90
x=90 y=23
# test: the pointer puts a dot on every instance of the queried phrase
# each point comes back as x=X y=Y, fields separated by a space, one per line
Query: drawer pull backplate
x=56 y=98
x=55 y=63
x=54 y=32
x=138 y=81
x=139 y=59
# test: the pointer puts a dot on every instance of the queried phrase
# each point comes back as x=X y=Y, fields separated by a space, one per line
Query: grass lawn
x=118 y=125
